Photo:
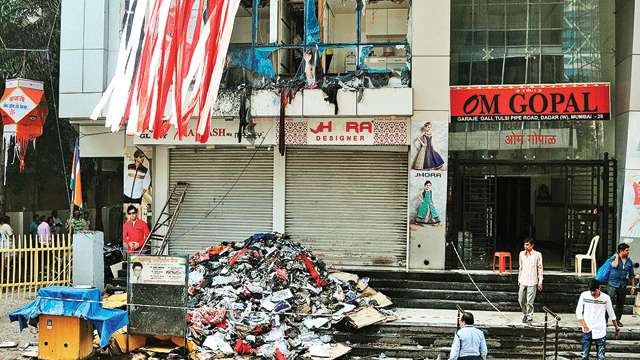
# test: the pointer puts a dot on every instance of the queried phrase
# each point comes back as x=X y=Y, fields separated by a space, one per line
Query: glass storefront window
x=531 y=42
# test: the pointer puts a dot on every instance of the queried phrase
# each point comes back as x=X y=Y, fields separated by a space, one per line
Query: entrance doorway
x=514 y=215
x=494 y=205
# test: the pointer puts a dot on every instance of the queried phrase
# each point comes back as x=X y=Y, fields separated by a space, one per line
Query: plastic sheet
x=80 y=303
x=261 y=63
x=312 y=35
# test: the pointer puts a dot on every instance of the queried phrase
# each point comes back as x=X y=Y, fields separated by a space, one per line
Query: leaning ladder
x=166 y=221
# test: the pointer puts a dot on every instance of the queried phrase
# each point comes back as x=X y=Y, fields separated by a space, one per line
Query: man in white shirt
x=6 y=235
x=529 y=278
x=591 y=309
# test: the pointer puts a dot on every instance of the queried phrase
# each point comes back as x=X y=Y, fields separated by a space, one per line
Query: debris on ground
x=8 y=344
x=270 y=297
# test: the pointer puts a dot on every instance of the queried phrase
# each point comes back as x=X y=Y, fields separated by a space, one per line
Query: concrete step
x=427 y=334
x=478 y=277
x=484 y=286
x=446 y=289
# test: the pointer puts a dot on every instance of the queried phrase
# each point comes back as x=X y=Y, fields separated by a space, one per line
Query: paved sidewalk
x=437 y=317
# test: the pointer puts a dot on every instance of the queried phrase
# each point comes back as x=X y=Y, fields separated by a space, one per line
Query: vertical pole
x=18 y=238
x=32 y=264
x=358 y=34
x=2 y=179
x=555 y=354
x=604 y=218
x=255 y=13
x=544 y=339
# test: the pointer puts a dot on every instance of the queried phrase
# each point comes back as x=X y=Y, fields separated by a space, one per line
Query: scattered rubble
x=270 y=297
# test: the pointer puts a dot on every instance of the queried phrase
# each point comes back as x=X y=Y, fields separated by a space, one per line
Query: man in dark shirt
x=619 y=275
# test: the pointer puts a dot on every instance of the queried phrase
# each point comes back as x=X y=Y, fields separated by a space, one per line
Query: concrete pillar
x=627 y=117
x=430 y=46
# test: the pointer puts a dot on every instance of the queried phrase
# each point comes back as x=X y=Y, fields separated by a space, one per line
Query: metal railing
x=555 y=316
x=27 y=263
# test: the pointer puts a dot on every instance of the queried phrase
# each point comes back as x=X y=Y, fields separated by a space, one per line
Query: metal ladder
x=168 y=218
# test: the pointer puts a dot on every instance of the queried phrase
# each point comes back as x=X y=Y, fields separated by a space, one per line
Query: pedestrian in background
x=6 y=235
x=44 y=232
x=619 y=274
x=87 y=219
x=57 y=222
x=468 y=342
x=5 y=226
x=76 y=223
x=529 y=278
x=33 y=227
x=591 y=311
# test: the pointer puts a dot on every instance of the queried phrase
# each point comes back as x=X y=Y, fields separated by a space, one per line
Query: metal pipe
x=555 y=354
x=544 y=339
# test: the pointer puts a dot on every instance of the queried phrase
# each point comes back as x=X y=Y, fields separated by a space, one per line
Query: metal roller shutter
x=247 y=208
x=348 y=206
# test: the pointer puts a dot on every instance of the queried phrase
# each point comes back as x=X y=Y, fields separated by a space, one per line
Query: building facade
x=367 y=166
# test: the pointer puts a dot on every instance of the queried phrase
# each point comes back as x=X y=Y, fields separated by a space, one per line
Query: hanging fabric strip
x=176 y=67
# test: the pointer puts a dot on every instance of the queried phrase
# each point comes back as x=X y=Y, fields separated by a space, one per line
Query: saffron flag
x=76 y=181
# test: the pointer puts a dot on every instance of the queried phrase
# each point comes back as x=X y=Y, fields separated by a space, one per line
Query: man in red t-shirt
x=134 y=232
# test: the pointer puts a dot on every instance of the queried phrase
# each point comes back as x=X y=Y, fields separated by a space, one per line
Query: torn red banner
x=177 y=66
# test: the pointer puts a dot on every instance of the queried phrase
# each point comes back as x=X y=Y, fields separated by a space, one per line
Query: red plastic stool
x=502 y=259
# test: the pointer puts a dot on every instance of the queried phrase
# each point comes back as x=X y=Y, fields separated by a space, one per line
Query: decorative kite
x=24 y=109
x=178 y=64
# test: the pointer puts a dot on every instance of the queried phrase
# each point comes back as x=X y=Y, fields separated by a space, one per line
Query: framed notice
x=157 y=295
x=541 y=102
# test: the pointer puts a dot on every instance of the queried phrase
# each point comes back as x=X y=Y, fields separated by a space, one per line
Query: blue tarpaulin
x=312 y=27
x=263 y=65
x=80 y=303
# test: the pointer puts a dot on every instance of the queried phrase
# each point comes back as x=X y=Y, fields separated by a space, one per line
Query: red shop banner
x=543 y=102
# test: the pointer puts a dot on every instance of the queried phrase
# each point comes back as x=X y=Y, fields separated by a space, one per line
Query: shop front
x=339 y=187
x=521 y=165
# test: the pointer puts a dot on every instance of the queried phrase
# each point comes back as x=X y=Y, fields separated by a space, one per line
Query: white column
x=627 y=107
x=279 y=177
x=430 y=46
x=160 y=176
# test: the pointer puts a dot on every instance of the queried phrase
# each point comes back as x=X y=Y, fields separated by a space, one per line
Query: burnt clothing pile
x=270 y=297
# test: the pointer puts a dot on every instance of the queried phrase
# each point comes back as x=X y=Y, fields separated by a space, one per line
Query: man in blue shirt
x=468 y=342
x=619 y=275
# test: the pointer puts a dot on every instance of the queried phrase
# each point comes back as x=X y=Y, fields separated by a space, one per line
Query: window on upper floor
x=526 y=41
x=338 y=36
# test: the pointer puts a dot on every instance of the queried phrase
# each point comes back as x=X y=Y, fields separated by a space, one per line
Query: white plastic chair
x=590 y=255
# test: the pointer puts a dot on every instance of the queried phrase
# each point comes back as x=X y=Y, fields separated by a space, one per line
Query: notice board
x=157 y=295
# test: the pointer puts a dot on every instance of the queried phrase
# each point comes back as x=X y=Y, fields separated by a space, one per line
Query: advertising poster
x=157 y=294
x=157 y=270
x=137 y=180
x=630 y=223
x=534 y=102
x=428 y=192
x=633 y=141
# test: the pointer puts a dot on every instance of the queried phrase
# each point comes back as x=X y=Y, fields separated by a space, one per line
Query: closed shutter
x=348 y=206
x=211 y=173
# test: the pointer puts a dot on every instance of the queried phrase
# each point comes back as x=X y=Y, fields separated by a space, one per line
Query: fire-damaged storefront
x=339 y=186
